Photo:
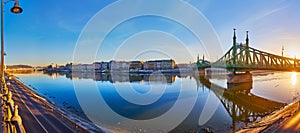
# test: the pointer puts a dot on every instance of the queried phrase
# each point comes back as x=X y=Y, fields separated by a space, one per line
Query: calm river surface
x=164 y=102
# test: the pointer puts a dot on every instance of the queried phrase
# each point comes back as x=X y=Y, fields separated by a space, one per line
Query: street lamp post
x=15 y=9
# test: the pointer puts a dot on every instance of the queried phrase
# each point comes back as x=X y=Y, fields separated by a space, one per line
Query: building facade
x=83 y=67
x=119 y=65
x=136 y=65
x=159 y=65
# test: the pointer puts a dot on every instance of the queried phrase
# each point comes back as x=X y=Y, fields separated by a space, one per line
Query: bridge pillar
x=236 y=78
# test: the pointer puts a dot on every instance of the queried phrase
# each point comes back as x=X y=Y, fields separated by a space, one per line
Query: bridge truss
x=241 y=56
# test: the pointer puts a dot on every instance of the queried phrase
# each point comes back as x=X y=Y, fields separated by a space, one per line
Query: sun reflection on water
x=294 y=78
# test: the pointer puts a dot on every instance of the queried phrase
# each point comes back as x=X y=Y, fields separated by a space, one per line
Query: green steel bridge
x=241 y=57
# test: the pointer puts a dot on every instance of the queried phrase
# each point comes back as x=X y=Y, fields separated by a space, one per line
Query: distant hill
x=18 y=66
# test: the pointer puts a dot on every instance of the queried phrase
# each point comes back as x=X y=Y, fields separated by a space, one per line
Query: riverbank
x=275 y=121
x=69 y=119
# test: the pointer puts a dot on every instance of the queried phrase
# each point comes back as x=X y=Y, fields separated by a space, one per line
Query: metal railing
x=11 y=117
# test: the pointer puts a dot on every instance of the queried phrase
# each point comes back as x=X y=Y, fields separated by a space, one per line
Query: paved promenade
x=37 y=117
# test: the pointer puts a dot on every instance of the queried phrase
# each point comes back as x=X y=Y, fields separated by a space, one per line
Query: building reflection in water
x=124 y=77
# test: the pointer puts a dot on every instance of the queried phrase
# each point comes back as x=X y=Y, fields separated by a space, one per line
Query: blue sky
x=47 y=31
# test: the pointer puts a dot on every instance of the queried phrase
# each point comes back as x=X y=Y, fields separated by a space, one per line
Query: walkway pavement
x=36 y=116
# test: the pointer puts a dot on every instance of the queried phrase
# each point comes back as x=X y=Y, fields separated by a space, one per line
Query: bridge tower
x=234 y=48
x=247 y=48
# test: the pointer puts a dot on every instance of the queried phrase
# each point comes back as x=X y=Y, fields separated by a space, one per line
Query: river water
x=165 y=102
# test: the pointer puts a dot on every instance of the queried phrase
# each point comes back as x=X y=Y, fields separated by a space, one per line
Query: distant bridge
x=241 y=57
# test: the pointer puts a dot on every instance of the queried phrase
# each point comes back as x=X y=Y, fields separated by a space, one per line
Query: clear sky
x=47 y=30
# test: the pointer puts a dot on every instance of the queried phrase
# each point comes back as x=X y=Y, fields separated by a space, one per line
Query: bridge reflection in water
x=241 y=105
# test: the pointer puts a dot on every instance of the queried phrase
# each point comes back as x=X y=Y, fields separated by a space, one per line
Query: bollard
x=4 y=97
x=17 y=121
x=10 y=112
x=3 y=100
x=10 y=101
x=7 y=114
x=7 y=118
x=5 y=90
x=7 y=108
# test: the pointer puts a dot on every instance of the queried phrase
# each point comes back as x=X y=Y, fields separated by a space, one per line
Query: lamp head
x=16 y=9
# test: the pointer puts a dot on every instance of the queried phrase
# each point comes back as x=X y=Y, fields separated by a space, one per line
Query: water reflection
x=124 y=77
x=294 y=78
x=238 y=105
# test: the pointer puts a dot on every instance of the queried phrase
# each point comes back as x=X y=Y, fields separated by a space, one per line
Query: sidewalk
x=39 y=115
